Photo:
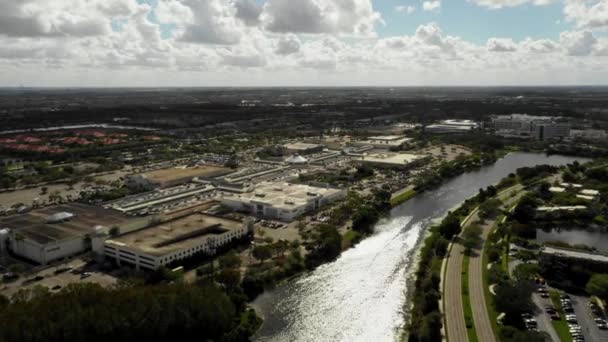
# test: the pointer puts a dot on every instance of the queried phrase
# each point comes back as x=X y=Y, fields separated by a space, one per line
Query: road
x=452 y=288
x=542 y=318
x=452 y=296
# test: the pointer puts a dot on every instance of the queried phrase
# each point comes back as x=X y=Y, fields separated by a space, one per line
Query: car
x=556 y=317
x=544 y=295
x=85 y=275
x=564 y=296
x=56 y=287
x=600 y=320
x=602 y=326
x=10 y=276
x=526 y=315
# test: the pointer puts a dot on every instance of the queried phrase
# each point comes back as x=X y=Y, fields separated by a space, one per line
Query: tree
x=230 y=260
x=450 y=226
x=514 y=298
x=472 y=236
x=598 y=285
x=526 y=209
x=490 y=208
x=526 y=271
x=262 y=252
x=114 y=231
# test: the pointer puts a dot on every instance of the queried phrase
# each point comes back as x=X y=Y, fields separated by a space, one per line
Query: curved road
x=456 y=329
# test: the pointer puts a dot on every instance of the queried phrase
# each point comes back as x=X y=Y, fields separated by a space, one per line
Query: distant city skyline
x=173 y=43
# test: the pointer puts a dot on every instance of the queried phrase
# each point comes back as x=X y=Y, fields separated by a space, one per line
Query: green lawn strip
x=350 y=238
x=466 y=301
x=561 y=326
x=486 y=286
x=403 y=197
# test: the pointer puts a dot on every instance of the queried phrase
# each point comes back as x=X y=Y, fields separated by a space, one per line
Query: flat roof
x=284 y=195
x=302 y=146
x=389 y=137
x=175 y=235
x=167 y=175
x=33 y=225
x=391 y=158
x=575 y=254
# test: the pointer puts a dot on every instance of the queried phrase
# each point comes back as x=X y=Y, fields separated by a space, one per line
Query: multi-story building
x=453 y=127
x=523 y=126
x=384 y=141
x=170 y=242
x=283 y=201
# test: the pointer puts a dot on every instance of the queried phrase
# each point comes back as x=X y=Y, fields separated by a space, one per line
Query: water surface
x=360 y=296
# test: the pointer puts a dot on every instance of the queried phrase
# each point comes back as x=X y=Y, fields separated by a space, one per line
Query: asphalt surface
x=453 y=305
x=542 y=318
x=452 y=289
x=586 y=320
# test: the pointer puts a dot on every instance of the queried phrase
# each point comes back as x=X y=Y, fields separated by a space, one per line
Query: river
x=361 y=295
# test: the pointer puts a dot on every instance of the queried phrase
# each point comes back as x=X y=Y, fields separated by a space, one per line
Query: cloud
x=60 y=18
x=431 y=5
x=202 y=21
x=501 y=45
x=540 y=45
x=352 y=17
x=249 y=11
x=587 y=14
x=497 y=4
x=578 y=43
x=288 y=45
x=409 y=9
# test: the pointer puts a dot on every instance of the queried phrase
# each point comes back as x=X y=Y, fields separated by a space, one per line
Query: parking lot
x=58 y=277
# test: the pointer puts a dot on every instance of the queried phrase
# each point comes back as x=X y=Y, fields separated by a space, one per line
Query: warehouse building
x=283 y=201
x=401 y=161
x=175 y=240
x=164 y=178
x=53 y=233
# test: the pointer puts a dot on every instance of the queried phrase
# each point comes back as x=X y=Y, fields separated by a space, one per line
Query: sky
x=182 y=43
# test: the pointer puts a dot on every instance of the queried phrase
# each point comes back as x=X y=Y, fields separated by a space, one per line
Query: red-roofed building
x=30 y=140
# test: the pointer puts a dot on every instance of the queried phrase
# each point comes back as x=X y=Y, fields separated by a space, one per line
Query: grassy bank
x=466 y=301
x=403 y=197
x=561 y=326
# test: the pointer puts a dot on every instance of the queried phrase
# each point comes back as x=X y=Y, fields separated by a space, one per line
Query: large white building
x=391 y=160
x=283 y=201
x=452 y=126
x=384 y=141
x=53 y=233
x=170 y=242
x=523 y=126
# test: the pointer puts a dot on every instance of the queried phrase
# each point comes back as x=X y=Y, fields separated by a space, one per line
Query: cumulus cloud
x=587 y=14
x=248 y=11
x=497 y=4
x=578 y=43
x=431 y=5
x=409 y=9
x=355 y=17
x=288 y=45
x=501 y=45
x=38 y=18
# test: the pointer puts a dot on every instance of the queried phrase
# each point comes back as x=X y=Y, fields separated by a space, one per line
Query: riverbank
x=362 y=295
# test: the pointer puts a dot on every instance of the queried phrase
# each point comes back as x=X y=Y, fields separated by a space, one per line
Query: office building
x=176 y=240
x=453 y=126
x=283 y=201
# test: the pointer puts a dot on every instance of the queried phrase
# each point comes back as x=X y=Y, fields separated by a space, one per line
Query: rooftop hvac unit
x=289 y=203
x=260 y=194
